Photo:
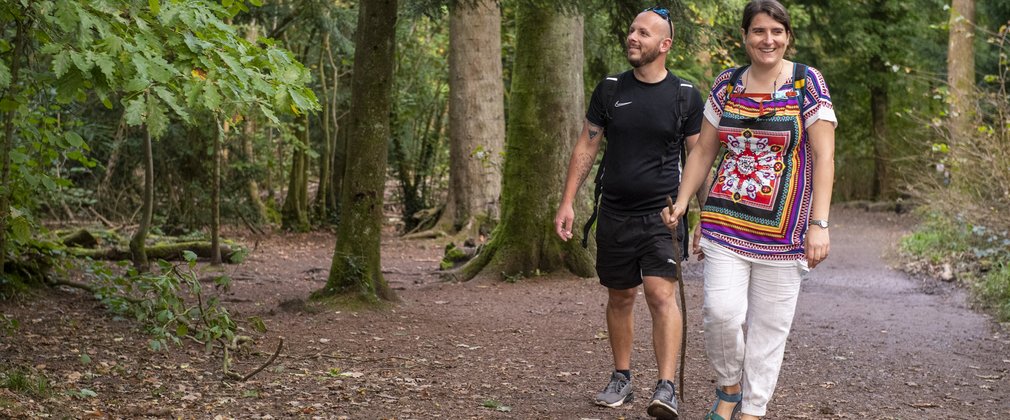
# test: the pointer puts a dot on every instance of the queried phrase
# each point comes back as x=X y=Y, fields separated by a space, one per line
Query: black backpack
x=610 y=85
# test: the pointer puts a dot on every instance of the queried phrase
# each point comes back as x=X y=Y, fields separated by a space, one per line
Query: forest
x=148 y=149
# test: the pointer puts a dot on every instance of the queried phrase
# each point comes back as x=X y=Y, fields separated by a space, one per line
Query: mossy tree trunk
x=248 y=152
x=476 y=118
x=137 y=251
x=356 y=268
x=321 y=205
x=20 y=41
x=295 y=213
x=215 y=196
x=545 y=116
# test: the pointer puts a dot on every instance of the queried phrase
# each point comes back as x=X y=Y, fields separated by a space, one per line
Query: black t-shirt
x=642 y=159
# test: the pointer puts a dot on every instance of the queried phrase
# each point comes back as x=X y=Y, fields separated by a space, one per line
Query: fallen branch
x=280 y=345
x=173 y=251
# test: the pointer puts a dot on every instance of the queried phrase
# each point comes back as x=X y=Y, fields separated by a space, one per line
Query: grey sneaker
x=664 y=401
x=617 y=392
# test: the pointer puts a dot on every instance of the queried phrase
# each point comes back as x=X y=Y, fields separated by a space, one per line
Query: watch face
x=821 y=223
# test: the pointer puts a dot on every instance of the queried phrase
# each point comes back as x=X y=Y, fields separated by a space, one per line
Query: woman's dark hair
x=773 y=8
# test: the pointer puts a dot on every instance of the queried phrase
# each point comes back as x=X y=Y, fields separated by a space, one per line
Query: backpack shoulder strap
x=799 y=83
x=733 y=78
x=610 y=85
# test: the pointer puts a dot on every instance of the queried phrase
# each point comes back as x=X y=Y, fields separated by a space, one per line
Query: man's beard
x=646 y=57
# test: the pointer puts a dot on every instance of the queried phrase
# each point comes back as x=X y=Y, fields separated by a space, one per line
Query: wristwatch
x=823 y=224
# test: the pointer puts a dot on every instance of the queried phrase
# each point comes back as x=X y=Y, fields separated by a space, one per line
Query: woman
x=765 y=220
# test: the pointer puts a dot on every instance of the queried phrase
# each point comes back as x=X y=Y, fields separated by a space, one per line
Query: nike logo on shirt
x=619 y=104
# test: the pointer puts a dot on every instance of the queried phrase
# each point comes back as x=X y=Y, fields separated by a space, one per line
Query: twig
x=280 y=345
x=104 y=221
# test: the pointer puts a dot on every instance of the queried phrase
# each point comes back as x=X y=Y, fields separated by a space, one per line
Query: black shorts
x=631 y=247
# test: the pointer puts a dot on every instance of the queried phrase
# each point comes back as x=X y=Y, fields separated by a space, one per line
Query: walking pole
x=683 y=300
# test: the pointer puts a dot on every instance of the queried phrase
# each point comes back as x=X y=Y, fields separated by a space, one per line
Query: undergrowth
x=977 y=255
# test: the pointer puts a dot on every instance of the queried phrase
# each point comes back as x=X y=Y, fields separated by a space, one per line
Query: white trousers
x=756 y=296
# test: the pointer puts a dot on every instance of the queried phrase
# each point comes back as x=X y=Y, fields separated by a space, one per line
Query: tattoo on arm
x=585 y=164
x=594 y=131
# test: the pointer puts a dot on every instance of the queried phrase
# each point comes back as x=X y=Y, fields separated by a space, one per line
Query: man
x=649 y=117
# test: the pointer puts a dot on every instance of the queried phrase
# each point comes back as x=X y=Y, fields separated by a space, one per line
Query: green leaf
x=106 y=65
x=135 y=111
x=81 y=61
x=155 y=7
x=257 y=3
x=85 y=359
x=258 y=324
x=157 y=121
x=21 y=229
x=188 y=255
x=73 y=139
x=211 y=97
x=170 y=99
x=136 y=84
x=181 y=330
x=87 y=393
x=5 y=75
x=61 y=64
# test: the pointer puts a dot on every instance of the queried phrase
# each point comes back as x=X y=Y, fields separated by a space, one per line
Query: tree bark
x=545 y=117
x=20 y=39
x=295 y=214
x=325 y=156
x=215 y=197
x=249 y=154
x=961 y=76
x=476 y=118
x=878 y=128
x=356 y=268
x=137 y=251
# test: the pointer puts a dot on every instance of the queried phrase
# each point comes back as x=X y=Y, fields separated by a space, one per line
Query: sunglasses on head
x=665 y=14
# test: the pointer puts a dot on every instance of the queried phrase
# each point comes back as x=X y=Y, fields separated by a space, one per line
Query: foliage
x=976 y=194
x=172 y=303
x=26 y=382
x=160 y=61
x=418 y=150
x=977 y=255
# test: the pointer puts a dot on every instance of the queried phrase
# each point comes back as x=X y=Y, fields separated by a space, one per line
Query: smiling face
x=766 y=40
x=648 y=37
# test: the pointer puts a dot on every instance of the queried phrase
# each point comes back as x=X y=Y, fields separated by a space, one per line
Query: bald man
x=649 y=117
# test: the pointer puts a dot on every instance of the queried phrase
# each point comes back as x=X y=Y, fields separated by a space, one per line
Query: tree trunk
x=215 y=197
x=137 y=252
x=249 y=154
x=325 y=155
x=295 y=214
x=878 y=128
x=544 y=121
x=476 y=118
x=961 y=77
x=20 y=39
x=252 y=187
x=356 y=268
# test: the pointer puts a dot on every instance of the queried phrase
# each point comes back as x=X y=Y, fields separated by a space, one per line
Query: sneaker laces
x=614 y=385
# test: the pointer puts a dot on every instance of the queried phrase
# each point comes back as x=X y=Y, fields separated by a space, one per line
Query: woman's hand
x=817 y=246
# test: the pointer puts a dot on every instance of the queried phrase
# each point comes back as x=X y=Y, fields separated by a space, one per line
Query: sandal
x=722 y=396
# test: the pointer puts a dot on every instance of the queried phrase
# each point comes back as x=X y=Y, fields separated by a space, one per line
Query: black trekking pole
x=683 y=299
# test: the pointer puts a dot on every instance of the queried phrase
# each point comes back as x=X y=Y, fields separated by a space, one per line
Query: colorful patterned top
x=759 y=204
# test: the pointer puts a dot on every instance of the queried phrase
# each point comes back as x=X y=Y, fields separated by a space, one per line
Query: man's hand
x=696 y=244
x=563 y=222
x=817 y=246
x=671 y=215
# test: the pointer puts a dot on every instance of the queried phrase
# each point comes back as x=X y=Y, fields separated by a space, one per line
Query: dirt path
x=868 y=342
